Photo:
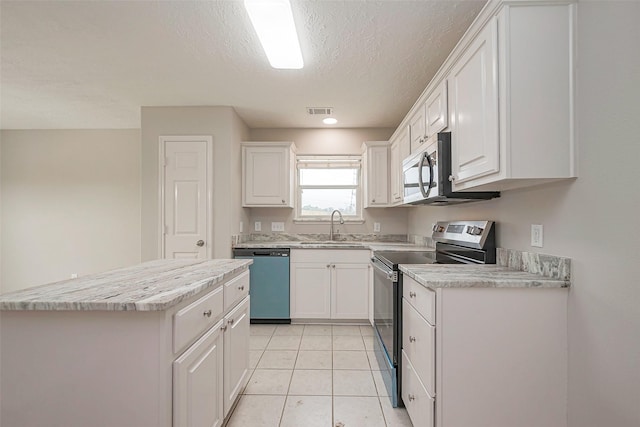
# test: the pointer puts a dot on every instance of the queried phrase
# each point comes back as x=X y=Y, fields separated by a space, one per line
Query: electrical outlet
x=74 y=275
x=277 y=226
x=376 y=227
x=241 y=226
x=257 y=226
x=536 y=235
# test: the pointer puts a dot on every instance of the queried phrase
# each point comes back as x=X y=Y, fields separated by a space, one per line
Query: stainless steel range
x=457 y=242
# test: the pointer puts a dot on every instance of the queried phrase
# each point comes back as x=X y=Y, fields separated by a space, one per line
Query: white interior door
x=185 y=205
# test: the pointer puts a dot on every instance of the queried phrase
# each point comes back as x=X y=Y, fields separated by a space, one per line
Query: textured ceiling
x=93 y=64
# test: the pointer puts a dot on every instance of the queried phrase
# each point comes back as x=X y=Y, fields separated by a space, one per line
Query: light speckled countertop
x=151 y=286
x=477 y=276
x=327 y=244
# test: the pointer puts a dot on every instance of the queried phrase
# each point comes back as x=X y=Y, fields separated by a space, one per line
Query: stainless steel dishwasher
x=269 y=284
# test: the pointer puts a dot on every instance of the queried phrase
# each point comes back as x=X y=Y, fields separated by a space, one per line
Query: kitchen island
x=150 y=345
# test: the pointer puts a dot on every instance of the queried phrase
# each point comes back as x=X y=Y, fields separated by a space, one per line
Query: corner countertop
x=151 y=286
x=477 y=276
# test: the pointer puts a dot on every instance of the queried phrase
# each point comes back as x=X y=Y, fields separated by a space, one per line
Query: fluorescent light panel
x=273 y=22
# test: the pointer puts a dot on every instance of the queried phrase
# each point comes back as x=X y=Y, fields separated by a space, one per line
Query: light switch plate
x=376 y=227
x=536 y=235
x=257 y=226
x=277 y=226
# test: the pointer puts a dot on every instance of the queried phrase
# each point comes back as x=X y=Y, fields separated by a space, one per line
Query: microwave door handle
x=424 y=157
x=431 y=166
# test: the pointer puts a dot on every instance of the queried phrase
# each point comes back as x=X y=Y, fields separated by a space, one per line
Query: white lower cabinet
x=211 y=373
x=329 y=284
x=198 y=382
x=484 y=356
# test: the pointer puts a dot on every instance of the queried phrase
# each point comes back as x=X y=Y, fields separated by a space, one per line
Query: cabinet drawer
x=331 y=256
x=421 y=298
x=190 y=322
x=418 y=342
x=416 y=399
x=236 y=289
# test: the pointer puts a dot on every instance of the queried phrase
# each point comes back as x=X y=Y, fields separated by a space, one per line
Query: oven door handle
x=383 y=268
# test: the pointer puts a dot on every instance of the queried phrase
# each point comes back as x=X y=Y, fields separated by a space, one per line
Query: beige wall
x=70 y=203
x=592 y=220
x=327 y=141
x=227 y=130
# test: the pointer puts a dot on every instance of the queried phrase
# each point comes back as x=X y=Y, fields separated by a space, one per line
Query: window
x=328 y=183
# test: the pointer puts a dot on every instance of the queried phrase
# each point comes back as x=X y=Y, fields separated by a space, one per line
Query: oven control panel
x=466 y=233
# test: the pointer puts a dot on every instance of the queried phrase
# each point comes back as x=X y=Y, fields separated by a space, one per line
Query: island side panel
x=501 y=357
x=83 y=368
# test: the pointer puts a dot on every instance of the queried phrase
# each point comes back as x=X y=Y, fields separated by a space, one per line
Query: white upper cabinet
x=436 y=111
x=398 y=151
x=429 y=118
x=473 y=89
x=506 y=93
x=267 y=173
x=376 y=174
x=511 y=95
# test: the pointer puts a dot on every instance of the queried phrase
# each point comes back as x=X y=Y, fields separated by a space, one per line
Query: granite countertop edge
x=434 y=276
x=154 y=300
x=364 y=245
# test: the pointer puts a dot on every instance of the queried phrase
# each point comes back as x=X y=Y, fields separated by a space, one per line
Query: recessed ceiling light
x=329 y=121
x=273 y=22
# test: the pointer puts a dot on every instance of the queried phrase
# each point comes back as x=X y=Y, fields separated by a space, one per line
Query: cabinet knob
x=283 y=202
x=224 y=328
x=200 y=243
x=328 y=265
x=207 y=313
x=230 y=321
x=412 y=339
x=373 y=200
x=334 y=266
x=412 y=294
x=241 y=288
x=412 y=397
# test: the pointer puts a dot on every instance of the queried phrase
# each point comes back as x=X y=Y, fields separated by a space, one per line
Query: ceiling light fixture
x=329 y=121
x=273 y=22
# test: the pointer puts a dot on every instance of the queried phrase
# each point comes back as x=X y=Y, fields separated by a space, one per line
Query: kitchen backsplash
x=546 y=265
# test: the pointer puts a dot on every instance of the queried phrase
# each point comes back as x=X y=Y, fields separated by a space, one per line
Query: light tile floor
x=314 y=376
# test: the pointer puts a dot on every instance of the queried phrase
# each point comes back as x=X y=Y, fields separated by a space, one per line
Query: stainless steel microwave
x=426 y=176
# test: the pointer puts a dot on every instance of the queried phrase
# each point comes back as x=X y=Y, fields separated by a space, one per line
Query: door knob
x=200 y=243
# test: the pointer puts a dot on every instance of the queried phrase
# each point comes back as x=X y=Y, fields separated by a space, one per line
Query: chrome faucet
x=341 y=222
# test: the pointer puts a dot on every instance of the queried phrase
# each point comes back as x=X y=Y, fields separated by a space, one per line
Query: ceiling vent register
x=322 y=111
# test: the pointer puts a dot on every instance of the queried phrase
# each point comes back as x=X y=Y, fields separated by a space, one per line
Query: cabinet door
x=267 y=173
x=436 y=110
x=395 y=168
x=197 y=382
x=377 y=176
x=236 y=353
x=310 y=290
x=350 y=291
x=473 y=89
x=417 y=129
x=419 y=404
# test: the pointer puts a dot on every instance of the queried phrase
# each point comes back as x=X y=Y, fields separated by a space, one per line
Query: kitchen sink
x=332 y=243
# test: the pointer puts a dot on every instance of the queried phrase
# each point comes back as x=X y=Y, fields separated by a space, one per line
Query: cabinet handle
x=412 y=397
x=224 y=328
x=207 y=313
x=241 y=288
x=412 y=294
x=412 y=339
x=230 y=321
